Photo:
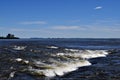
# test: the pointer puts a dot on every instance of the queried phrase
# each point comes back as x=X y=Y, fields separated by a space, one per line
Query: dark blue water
x=36 y=49
x=80 y=43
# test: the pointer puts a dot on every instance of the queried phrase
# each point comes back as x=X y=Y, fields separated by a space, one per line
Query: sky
x=60 y=18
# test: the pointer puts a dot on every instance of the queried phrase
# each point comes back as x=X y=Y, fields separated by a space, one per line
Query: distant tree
x=10 y=36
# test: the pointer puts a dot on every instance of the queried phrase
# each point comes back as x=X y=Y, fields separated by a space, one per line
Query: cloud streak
x=33 y=22
x=66 y=27
x=25 y=30
x=98 y=7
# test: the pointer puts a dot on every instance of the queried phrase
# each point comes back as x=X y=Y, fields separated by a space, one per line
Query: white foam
x=18 y=59
x=12 y=74
x=26 y=62
x=19 y=47
x=52 y=47
x=86 y=54
x=60 y=69
x=60 y=54
x=72 y=50
x=93 y=54
x=76 y=59
x=22 y=60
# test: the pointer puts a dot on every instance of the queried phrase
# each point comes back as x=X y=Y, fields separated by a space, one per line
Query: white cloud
x=25 y=30
x=98 y=7
x=66 y=27
x=33 y=22
x=102 y=28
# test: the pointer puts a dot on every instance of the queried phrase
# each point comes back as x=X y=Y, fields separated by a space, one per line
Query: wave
x=59 y=68
x=58 y=64
x=85 y=54
x=52 y=47
x=19 y=47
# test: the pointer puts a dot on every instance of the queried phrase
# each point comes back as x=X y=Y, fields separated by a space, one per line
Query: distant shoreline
x=9 y=36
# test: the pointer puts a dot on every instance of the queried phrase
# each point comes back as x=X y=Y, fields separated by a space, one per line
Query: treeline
x=9 y=36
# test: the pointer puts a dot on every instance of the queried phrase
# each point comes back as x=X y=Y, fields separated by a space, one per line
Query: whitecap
x=19 y=47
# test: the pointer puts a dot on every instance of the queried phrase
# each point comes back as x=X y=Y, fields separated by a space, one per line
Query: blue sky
x=60 y=18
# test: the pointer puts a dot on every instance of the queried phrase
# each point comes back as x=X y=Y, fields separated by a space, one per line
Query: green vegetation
x=9 y=36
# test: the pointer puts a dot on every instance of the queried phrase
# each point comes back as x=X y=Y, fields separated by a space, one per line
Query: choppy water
x=56 y=59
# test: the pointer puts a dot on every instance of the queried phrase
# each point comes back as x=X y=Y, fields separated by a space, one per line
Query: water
x=57 y=59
